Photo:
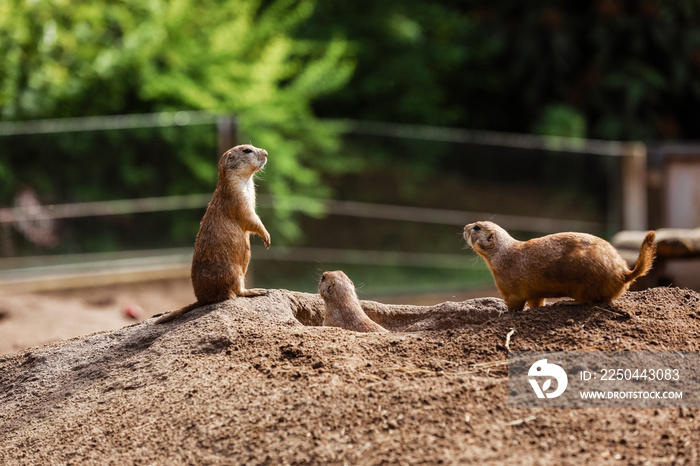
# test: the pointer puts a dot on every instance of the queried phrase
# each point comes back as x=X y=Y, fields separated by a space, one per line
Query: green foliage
x=108 y=57
x=629 y=69
x=561 y=120
x=612 y=69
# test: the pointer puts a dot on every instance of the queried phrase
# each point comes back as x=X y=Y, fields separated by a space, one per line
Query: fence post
x=634 y=187
x=228 y=132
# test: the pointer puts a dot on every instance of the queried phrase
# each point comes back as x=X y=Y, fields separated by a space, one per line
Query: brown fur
x=576 y=265
x=342 y=308
x=222 y=247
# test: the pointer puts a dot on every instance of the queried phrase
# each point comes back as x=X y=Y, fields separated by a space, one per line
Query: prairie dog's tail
x=645 y=260
x=171 y=315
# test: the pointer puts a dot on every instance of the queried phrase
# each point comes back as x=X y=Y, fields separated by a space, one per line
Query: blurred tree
x=561 y=120
x=64 y=58
x=630 y=69
x=407 y=53
x=612 y=69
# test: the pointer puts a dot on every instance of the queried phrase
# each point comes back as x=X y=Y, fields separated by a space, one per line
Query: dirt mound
x=254 y=381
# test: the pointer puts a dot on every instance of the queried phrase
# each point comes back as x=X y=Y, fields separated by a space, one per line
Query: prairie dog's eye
x=247 y=151
x=476 y=228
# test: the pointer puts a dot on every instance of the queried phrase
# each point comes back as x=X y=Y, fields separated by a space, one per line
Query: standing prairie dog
x=342 y=308
x=576 y=265
x=222 y=247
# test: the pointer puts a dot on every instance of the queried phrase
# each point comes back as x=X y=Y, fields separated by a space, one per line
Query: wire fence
x=25 y=216
x=494 y=138
x=373 y=128
x=20 y=215
x=109 y=122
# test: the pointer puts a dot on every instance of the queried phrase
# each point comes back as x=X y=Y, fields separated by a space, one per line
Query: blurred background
x=389 y=125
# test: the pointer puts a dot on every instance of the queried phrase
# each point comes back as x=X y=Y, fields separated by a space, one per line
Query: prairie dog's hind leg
x=535 y=302
x=514 y=304
x=253 y=292
x=238 y=289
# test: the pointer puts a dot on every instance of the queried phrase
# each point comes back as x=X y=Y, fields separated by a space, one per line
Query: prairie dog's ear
x=235 y=158
x=488 y=240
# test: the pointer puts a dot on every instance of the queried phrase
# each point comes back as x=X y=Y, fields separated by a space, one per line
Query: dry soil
x=256 y=381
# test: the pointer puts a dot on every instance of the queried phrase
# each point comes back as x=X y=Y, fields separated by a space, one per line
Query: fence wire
x=18 y=216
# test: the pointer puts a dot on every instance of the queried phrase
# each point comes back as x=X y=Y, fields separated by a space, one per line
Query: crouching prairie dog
x=222 y=247
x=342 y=308
x=575 y=265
